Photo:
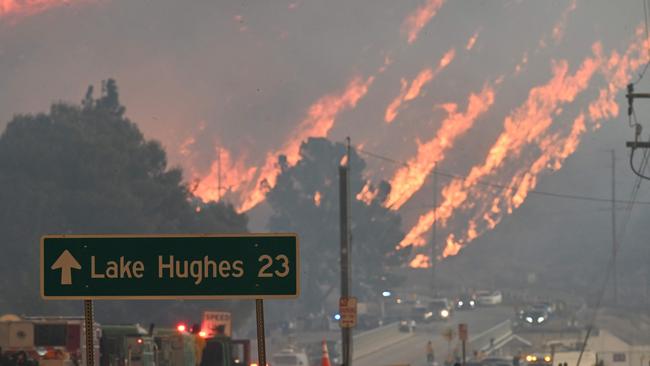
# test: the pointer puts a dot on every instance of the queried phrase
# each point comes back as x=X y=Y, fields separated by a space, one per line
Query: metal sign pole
x=261 y=347
x=88 y=323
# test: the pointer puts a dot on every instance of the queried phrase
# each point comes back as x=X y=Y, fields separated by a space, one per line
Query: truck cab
x=224 y=351
x=126 y=345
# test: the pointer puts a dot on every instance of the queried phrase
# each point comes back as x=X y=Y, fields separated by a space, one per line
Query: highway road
x=412 y=351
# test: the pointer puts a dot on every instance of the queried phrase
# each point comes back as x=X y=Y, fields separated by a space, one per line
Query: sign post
x=261 y=336
x=462 y=335
x=348 y=312
x=173 y=267
x=217 y=323
x=89 y=332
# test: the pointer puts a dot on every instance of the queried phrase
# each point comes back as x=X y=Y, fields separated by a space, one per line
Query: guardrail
x=375 y=339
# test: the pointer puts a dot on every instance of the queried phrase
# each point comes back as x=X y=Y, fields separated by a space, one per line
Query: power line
x=612 y=261
x=503 y=186
x=635 y=190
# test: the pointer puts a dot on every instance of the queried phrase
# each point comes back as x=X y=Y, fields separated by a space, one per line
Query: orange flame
x=522 y=63
x=420 y=261
x=408 y=93
x=412 y=92
x=317 y=198
x=28 y=7
x=524 y=125
x=419 y=19
x=555 y=149
x=344 y=161
x=320 y=119
x=560 y=26
x=472 y=41
x=367 y=194
x=185 y=148
x=232 y=175
x=409 y=179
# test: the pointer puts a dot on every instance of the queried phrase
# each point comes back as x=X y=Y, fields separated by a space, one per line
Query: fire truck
x=48 y=341
x=126 y=345
x=60 y=341
x=193 y=346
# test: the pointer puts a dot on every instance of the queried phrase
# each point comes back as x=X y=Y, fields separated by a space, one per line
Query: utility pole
x=434 y=252
x=636 y=144
x=614 y=246
x=346 y=260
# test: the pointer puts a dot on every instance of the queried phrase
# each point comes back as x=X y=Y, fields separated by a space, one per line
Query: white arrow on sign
x=66 y=263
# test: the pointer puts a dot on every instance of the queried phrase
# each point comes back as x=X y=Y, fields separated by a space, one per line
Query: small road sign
x=462 y=331
x=217 y=323
x=348 y=312
x=239 y=266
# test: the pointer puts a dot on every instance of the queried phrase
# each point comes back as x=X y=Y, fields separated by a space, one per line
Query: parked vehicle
x=130 y=344
x=58 y=341
x=489 y=298
x=55 y=341
x=290 y=357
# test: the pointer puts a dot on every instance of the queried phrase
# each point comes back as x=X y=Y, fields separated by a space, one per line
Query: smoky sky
x=249 y=70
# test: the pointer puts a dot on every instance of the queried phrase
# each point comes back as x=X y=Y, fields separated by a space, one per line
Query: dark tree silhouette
x=88 y=169
x=296 y=208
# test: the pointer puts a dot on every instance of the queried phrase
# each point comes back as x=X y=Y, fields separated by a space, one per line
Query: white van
x=289 y=357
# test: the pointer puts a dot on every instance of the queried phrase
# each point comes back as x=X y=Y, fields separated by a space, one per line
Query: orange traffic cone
x=325 y=359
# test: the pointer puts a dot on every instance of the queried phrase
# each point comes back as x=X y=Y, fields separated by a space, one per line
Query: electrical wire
x=639 y=173
x=502 y=186
x=635 y=191
x=612 y=261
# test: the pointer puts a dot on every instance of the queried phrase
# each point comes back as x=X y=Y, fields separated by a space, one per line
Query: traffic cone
x=325 y=359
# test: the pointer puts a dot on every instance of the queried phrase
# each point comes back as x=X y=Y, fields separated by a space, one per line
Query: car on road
x=440 y=309
x=539 y=359
x=533 y=317
x=546 y=306
x=489 y=298
x=465 y=302
x=407 y=326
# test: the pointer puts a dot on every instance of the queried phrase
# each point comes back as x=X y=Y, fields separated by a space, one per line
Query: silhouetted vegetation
x=376 y=230
x=88 y=169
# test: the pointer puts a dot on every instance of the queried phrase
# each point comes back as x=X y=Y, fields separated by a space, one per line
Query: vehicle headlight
x=460 y=303
x=529 y=358
x=540 y=319
x=444 y=313
x=547 y=358
x=471 y=303
x=529 y=319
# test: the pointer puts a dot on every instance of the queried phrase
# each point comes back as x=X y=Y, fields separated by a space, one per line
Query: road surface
x=412 y=351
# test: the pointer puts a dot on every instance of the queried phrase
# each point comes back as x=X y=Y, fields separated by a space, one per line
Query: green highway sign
x=246 y=266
